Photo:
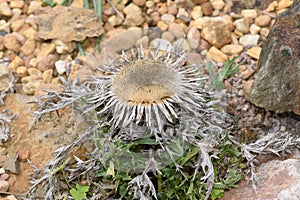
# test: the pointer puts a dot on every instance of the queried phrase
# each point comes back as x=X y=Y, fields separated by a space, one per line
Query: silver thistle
x=148 y=93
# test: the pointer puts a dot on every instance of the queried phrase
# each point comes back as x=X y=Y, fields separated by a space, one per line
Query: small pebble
x=33 y=62
x=12 y=164
x=61 y=67
x=242 y=25
x=4 y=176
x=29 y=88
x=264 y=32
x=193 y=37
x=13 y=65
x=204 y=44
x=246 y=88
x=254 y=52
x=139 y=2
x=232 y=49
x=16 y=4
x=247 y=74
x=24 y=155
x=169 y=36
x=182 y=13
x=11 y=42
x=216 y=13
x=114 y=20
x=217 y=4
x=55 y=81
x=283 y=4
x=34 y=72
x=272 y=6
x=199 y=2
x=16 y=25
x=207 y=9
x=133 y=15
x=150 y=4
x=263 y=20
x=144 y=41
x=162 y=8
x=155 y=18
x=167 y=18
x=254 y=29
x=27 y=79
x=45 y=49
x=162 y=25
x=19 y=37
x=4 y=27
x=249 y=40
x=249 y=13
x=47 y=76
x=177 y=30
x=11 y=197
x=216 y=55
x=109 y=11
x=21 y=71
x=197 y=12
x=194 y=58
x=47 y=63
x=172 y=10
x=63 y=47
x=198 y=23
x=4 y=186
x=28 y=47
x=29 y=32
x=5 y=9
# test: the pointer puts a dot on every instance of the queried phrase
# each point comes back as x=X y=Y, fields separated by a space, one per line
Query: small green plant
x=80 y=192
x=217 y=78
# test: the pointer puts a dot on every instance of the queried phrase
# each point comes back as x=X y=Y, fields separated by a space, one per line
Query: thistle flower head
x=150 y=88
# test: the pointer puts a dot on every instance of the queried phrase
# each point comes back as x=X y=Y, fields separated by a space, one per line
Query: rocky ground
x=36 y=47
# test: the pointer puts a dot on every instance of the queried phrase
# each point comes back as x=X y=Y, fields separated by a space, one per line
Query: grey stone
x=122 y=41
x=276 y=86
x=12 y=164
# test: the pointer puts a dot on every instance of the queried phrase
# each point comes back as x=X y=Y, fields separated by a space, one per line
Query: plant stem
x=81 y=52
x=63 y=3
x=95 y=6
x=99 y=9
x=86 y=4
x=190 y=155
x=159 y=182
x=49 y=3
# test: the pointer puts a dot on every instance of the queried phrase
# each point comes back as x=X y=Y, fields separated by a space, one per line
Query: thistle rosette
x=152 y=94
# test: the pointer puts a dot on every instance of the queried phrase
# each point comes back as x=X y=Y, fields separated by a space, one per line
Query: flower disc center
x=145 y=82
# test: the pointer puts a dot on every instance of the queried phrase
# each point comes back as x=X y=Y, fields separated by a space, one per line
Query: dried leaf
x=68 y=24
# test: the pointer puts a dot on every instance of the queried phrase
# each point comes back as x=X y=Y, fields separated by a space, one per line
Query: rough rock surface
x=78 y=24
x=276 y=86
x=277 y=180
x=216 y=31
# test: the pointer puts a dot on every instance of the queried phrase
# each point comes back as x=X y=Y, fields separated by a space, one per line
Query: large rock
x=277 y=83
x=215 y=31
x=276 y=180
